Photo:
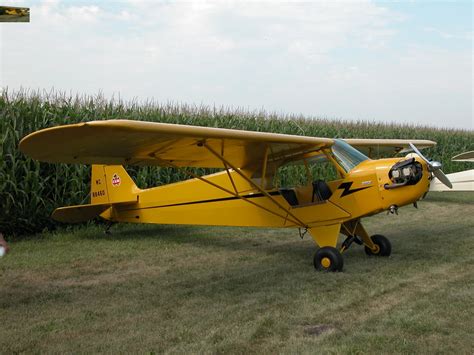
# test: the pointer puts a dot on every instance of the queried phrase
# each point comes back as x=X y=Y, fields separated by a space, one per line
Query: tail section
x=110 y=184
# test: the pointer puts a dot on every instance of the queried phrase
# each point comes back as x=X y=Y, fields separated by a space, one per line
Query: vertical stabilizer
x=112 y=184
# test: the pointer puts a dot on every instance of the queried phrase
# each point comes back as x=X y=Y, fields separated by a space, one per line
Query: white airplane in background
x=461 y=181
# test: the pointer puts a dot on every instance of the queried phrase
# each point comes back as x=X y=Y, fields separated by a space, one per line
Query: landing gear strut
x=348 y=242
x=376 y=245
x=383 y=246
x=107 y=228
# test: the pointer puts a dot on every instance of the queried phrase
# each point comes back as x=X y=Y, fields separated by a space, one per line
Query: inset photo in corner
x=14 y=14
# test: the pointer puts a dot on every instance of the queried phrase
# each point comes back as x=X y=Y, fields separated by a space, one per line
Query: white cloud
x=468 y=35
x=84 y=13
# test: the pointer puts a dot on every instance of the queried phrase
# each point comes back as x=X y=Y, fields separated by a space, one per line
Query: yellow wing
x=379 y=147
x=124 y=142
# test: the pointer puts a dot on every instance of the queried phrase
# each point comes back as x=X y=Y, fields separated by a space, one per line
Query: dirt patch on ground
x=319 y=329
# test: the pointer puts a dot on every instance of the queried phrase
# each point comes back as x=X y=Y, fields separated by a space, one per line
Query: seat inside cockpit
x=298 y=195
x=307 y=183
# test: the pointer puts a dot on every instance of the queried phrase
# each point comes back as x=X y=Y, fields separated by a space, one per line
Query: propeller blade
x=434 y=167
x=415 y=149
x=442 y=177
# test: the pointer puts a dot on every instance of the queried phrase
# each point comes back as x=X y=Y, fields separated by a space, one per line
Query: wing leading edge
x=380 y=147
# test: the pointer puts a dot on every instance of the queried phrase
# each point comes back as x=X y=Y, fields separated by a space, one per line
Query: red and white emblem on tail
x=116 y=180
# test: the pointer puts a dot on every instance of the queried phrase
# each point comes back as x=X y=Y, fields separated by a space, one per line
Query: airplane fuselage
x=360 y=193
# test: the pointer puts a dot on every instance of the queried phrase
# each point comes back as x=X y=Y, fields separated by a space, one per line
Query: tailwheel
x=328 y=259
x=382 y=244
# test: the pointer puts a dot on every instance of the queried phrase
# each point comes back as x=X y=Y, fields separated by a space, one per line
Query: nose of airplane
x=405 y=172
x=402 y=181
x=434 y=167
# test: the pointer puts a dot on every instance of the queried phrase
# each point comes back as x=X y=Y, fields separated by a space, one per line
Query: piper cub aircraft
x=244 y=193
x=14 y=11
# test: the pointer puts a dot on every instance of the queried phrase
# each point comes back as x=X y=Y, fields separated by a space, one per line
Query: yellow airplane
x=14 y=11
x=245 y=192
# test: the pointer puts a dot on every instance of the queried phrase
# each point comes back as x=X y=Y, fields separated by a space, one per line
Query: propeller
x=434 y=167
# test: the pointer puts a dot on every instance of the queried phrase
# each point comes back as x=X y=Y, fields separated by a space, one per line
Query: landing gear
x=383 y=247
x=107 y=228
x=375 y=245
x=328 y=259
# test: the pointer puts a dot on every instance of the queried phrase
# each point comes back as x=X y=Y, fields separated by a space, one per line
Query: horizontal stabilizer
x=83 y=213
x=80 y=213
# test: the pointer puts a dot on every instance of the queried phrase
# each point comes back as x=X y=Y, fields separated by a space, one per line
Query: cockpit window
x=304 y=171
x=347 y=156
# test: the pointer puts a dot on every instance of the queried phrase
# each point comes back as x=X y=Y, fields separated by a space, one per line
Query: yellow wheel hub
x=376 y=250
x=326 y=262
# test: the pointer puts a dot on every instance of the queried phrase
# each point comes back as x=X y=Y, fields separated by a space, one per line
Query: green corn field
x=29 y=190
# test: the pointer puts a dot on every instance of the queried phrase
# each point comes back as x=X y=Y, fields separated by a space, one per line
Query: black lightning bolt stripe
x=346 y=187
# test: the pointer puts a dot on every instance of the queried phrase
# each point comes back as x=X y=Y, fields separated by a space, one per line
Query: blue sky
x=434 y=22
x=407 y=62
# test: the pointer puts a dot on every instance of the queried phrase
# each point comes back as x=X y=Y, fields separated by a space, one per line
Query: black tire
x=385 y=247
x=328 y=259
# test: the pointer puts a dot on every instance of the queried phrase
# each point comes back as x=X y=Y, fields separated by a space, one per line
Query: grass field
x=240 y=290
x=14 y=18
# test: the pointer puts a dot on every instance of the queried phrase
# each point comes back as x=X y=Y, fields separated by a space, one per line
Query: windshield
x=346 y=155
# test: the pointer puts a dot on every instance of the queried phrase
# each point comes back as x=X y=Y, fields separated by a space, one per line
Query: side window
x=325 y=171
x=269 y=179
x=292 y=175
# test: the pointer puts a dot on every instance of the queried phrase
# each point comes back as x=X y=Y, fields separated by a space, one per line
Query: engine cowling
x=405 y=172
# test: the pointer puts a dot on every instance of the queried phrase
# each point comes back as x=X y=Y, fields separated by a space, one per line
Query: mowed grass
x=243 y=290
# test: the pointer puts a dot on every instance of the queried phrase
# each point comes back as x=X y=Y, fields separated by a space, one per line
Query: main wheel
x=328 y=259
x=384 y=247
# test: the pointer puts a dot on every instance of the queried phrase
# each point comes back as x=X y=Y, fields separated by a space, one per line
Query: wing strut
x=230 y=178
x=264 y=168
x=227 y=163
x=235 y=194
